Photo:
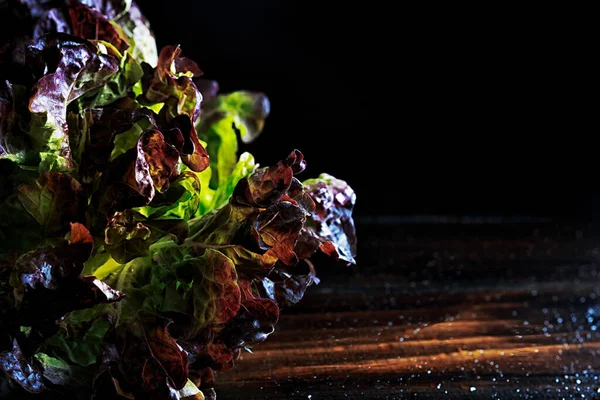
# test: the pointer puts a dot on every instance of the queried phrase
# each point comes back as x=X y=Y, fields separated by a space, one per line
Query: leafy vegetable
x=53 y=199
x=18 y=367
x=171 y=83
x=224 y=117
x=90 y=23
x=332 y=221
x=140 y=254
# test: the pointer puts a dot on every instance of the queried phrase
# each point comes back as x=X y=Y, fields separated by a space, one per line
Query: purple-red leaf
x=74 y=67
x=277 y=229
x=21 y=369
x=161 y=157
x=286 y=289
x=146 y=361
x=193 y=154
x=80 y=234
x=51 y=280
x=172 y=84
x=332 y=219
x=106 y=124
x=128 y=182
x=51 y=21
x=92 y=24
x=267 y=186
x=125 y=238
x=165 y=350
x=255 y=321
x=91 y=291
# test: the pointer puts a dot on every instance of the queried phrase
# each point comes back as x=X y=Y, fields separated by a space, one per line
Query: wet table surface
x=505 y=310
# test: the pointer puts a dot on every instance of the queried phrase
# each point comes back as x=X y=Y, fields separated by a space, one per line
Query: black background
x=422 y=110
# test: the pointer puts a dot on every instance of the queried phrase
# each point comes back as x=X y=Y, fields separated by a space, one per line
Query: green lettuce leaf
x=124 y=141
x=57 y=371
x=181 y=201
x=32 y=141
x=138 y=33
x=60 y=373
x=199 y=282
x=225 y=117
x=221 y=144
x=212 y=199
x=19 y=231
x=80 y=336
x=247 y=110
x=55 y=200
x=122 y=82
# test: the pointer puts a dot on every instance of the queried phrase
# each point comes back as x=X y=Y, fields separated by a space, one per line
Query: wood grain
x=507 y=311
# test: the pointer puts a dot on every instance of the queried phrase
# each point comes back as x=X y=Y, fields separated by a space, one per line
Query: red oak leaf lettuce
x=140 y=254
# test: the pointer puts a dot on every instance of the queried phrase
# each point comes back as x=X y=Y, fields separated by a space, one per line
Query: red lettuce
x=140 y=254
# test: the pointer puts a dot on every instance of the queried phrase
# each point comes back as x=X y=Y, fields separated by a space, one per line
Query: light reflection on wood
x=417 y=349
x=461 y=318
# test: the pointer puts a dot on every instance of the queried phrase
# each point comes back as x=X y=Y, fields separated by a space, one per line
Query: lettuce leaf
x=80 y=68
x=21 y=369
x=212 y=199
x=123 y=81
x=45 y=285
x=224 y=118
x=171 y=83
x=138 y=33
x=54 y=200
x=332 y=222
x=90 y=23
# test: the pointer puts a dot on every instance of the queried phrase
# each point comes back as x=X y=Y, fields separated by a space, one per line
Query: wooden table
x=476 y=309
